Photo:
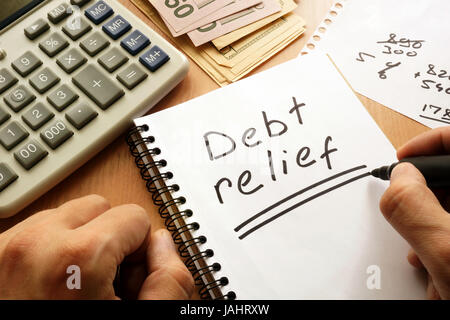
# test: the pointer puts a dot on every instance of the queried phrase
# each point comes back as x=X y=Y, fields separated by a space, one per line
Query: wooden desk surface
x=114 y=166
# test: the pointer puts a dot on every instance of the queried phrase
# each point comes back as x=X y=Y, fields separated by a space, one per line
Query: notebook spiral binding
x=161 y=192
x=334 y=12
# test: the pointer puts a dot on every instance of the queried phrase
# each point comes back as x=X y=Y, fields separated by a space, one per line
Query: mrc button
x=116 y=27
x=135 y=42
x=154 y=58
x=99 y=12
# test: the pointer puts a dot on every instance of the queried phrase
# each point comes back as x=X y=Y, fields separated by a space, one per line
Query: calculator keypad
x=19 y=98
x=36 y=29
x=37 y=116
x=71 y=60
x=7 y=176
x=12 y=135
x=56 y=116
x=44 y=80
x=76 y=28
x=7 y=80
x=56 y=134
x=94 y=44
x=30 y=154
x=53 y=44
x=26 y=63
x=62 y=97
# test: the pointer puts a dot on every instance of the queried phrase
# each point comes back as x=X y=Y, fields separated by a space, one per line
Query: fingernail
x=406 y=170
x=165 y=239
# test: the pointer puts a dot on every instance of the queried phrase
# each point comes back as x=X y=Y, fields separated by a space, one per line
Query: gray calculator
x=73 y=75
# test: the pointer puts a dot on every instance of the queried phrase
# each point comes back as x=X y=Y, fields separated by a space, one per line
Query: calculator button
x=60 y=13
x=30 y=154
x=79 y=3
x=112 y=60
x=116 y=27
x=36 y=29
x=53 y=45
x=26 y=63
x=37 y=116
x=12 y=135
x=71 y=60
x=62 y=97
x=94 y=44
x=154 y=58
x=7 y=80
x=56 y=134
x=132 y=76
x=4 y=116
x=99 y=88
x=135 y=42
x=76 y=28
x=7 y=176
x=81 y=116
x=19 y=98
x=99 y=12
x=44 y=80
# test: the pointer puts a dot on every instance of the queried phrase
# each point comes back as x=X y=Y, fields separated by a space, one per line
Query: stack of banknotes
x=226 y=38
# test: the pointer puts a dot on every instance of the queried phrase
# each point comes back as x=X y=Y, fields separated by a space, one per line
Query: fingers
x=432 y=293
x=121 y=230
x=412 y=209
x=433 y=142
x=414 y=260
x=169 y=278
x=80 y=211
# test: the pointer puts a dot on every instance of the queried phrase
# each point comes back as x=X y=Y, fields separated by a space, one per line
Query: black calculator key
x=53 y=44
x=154 y=58
x=94 y=44
x=76 y=28
x=7 y=80
x=71 y=60
x=37 y=116
x=19 y=98
x=62 y=97
x=131 y=76
x=81 y=116
x=116 y=27
x=7 y=176
x=60 y=13
x=12 y=135
x=135 y=42
x=30 y=154
x=36 y=29
x=26 y=63
x=44 y=80
x=99 y=12
x=4 y=116
x=56 y=134
x=79 y=3
x=113 y=60
x=98 y=87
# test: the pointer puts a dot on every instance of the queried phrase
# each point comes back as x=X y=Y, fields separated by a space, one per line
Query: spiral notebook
x=265 y=187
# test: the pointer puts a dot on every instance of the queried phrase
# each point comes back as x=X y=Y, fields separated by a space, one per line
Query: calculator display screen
x=11 y=10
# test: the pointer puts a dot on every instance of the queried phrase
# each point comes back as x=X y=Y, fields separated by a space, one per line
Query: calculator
x=73 y=75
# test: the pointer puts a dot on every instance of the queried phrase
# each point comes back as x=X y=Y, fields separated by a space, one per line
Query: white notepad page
x=332 y=242
x=396 y=53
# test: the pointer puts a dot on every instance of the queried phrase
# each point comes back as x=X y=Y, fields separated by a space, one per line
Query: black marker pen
x=435 y=169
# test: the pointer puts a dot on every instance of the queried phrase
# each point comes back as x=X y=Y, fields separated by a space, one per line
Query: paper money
x=223 y=41
x=235 y=6
x=225 y=67
x=182 y=13
x=233 y=22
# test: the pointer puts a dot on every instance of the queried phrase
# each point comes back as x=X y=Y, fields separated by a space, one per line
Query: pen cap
x=435 y=169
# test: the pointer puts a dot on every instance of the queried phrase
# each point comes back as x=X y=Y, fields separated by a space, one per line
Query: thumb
x=168 y=279
x=412 y=208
